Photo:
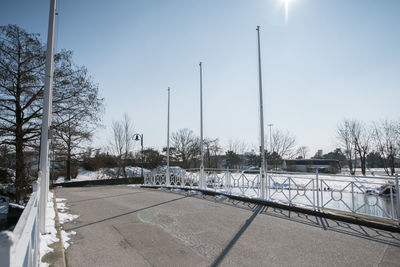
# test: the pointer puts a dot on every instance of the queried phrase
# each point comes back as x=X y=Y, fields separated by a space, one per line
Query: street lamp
x=138 y=137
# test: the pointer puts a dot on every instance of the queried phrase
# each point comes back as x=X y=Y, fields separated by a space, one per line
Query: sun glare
x=286 y=2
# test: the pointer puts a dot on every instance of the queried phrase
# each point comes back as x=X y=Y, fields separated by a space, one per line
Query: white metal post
x=263 y=170
x=398 y=197
x=317 y=183
x=202 y=183
x=46 y=119
x=167 y=175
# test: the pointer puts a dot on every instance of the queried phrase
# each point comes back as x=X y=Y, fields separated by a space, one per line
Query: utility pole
x=202 y=183
x=46 y=119
x=264 y=161
x=167 y=180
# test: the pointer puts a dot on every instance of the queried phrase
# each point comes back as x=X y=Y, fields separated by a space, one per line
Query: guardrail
x=21 y=247
x=366 y=195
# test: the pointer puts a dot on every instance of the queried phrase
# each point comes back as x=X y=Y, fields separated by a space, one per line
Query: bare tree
x=77 y=108
x=211 y=149
x=21 y=72
x=361 y=137
x=22 y=68
x=186 y=146
x=122 y=141
x=302 y=152
x=237 y=146
x=283 y=143
x=345 y=137
x=387 y=141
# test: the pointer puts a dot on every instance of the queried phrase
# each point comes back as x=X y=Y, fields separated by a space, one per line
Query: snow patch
x=194 y=192
x=50 y=236
x=104 y=173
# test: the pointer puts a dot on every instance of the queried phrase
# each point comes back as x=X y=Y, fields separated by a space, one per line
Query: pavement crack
x=383 y=255
x=131 y=245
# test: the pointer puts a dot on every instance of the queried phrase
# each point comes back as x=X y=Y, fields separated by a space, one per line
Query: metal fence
x=21 y=247
x=368 y=195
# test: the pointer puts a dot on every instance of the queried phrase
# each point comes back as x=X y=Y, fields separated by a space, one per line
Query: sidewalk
x=125 y=226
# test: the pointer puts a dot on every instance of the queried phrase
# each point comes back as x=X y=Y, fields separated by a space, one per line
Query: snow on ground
x=50 y=236
x=63 y=217
x=104 y=173
x=51 y=232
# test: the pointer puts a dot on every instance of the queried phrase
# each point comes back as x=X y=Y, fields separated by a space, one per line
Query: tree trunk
x=350 y=162
x=363 y=161
x=68 y=176
x=20 y=176
x=391 y=164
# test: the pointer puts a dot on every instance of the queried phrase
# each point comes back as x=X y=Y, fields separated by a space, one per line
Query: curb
x=340 y=216
x=59 y=233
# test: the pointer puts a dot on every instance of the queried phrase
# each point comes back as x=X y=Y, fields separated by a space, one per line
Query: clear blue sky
x=334 y=59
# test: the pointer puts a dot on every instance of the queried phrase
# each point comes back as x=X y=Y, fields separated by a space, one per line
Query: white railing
x=367 y=195
x=21 y=247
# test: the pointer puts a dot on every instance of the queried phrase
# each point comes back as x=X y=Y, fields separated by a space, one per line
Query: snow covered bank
x=50 y=237
x=104 y=173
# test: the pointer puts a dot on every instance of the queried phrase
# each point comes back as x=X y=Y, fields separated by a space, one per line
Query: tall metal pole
x=141 y=139
x=202 y=183
x=264 y=161
x=46 y=119
x=167 y=177
x=270 y=137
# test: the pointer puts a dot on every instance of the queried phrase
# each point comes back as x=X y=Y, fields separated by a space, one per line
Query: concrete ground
x=130 y=226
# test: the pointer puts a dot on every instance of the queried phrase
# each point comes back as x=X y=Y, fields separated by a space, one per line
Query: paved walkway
x=130 y=226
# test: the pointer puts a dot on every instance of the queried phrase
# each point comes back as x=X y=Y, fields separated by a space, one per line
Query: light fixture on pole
x=202 y=183
x=262 y=151
x=138 y=137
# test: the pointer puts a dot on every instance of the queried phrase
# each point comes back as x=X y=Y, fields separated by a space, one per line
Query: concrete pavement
x=130 y=226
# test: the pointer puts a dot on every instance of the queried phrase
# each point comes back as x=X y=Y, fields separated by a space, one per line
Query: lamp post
x=138 y=137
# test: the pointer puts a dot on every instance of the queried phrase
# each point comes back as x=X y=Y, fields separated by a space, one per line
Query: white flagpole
x=264 y=161
x=46 y=119
x=202 y=182
x=168 y=182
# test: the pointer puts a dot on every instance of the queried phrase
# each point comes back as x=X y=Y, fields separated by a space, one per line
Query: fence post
x=317 y=188
x=398 y=197
x=6 y=241
x=263 y=179
x=227 y=179
x=352 y=196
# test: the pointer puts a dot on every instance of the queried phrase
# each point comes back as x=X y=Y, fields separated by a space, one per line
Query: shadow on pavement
x=376 y=235
x=119 y=195
x=124 y=214
x=230 y=245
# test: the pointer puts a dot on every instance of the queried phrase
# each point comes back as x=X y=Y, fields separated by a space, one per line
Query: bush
x=99 y=161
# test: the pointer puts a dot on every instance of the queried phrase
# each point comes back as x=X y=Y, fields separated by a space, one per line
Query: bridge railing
x=368 y=195
x=21 y=246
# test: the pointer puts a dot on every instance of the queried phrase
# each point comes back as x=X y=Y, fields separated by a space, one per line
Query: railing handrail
x=21 y=247
x=279 y=188
x=301 y=173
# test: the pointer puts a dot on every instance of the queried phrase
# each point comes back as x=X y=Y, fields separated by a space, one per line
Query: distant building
x=311 y=165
